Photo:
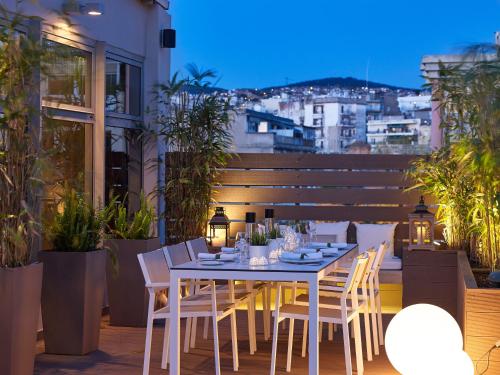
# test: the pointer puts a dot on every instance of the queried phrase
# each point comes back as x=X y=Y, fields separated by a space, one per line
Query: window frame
x=84 y=47
x=138 y=62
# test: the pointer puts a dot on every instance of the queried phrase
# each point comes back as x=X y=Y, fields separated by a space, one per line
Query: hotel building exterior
x=101 y=91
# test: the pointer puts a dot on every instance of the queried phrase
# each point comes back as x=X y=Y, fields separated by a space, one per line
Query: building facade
x=338 y=121
x=99 y=91
x=398 y=135
x=260 y=132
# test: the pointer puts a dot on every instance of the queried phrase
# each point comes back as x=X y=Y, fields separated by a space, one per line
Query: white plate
x=301 y=261
x=211 y=263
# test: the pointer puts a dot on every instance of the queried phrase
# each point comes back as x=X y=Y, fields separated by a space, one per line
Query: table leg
x=313 y=325
x=174 y=301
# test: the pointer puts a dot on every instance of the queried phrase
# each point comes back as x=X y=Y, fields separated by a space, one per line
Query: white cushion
x=393 y=263
x=338 y=229
x=372 y=235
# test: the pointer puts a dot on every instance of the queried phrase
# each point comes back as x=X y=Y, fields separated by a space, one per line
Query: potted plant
x=131 y=235
x=258 y=245
x=74 y=276
x=20 y=180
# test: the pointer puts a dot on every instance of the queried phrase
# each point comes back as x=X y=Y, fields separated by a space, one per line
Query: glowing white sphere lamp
x=422 y=335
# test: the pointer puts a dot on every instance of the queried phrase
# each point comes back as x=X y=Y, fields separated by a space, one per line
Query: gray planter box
x=128 y=299
x=72 y=294
x=20 y=290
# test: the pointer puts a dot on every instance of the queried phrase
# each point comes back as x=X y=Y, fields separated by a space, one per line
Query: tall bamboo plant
x=469 y=94
x=20 y=155
x=196 y=128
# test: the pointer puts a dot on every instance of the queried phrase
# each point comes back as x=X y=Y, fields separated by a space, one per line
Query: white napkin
x=306 y=250
x=207 y=256
x=298 y=256
x=228 y=250
x=330 y=250
x=332 y=244
x=338 y=245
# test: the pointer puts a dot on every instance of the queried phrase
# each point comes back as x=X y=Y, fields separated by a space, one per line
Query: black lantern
x=219 y=221
x=421 y=223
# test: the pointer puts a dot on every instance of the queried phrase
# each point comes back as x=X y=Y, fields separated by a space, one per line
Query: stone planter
x=20 y=291
x=72 y=295
x=128 y=299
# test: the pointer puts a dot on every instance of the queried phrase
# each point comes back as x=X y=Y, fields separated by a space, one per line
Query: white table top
x=278 y=266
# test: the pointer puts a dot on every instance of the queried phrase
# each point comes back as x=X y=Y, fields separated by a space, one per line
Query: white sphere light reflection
x=423 y=338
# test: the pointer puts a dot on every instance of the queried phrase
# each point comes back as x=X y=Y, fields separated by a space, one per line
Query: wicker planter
x=128 y=299
x=20 y=290
x=72 y=295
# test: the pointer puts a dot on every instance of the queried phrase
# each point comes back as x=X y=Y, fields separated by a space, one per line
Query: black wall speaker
x=167 y=38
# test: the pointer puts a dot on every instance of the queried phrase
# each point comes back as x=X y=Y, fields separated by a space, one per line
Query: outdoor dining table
x=277 y=271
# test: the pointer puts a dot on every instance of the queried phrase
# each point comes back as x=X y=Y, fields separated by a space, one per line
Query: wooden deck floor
x=121 y=353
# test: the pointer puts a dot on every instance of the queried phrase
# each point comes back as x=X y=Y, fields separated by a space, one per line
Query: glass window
x=123 y=165
x=70 y=155
x=68 y=75
x=70 y=162
x=123 y=88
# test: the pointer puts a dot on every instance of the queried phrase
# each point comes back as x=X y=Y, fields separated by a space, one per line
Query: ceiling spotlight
x=93 y=9
x=77 y=7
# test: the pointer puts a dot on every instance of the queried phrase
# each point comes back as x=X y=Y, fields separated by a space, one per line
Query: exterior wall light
x=76 y=7
x=93 y=9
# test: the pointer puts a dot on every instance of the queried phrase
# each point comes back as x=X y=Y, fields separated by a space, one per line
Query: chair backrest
x=356 y=275
x=372 y=255
x=154 y=267
x=176 y=254
x=380 y=257
x=196 y=246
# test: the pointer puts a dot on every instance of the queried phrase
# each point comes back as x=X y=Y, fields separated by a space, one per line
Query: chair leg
x=290 y=345
x=379 y=318
x=166 y=343
x=304 y=338
x=205 y=328
x=187 y=335
x=194 y=326
x=147 y=346
x=347 y=347
x=368 y=336
x=265 y=313
x=330 y=331
x=216 y=346
x=250 y=325
x=373 y=313
x=358 y=345
x=320 y=331
x=275 y=331
x=234 y=340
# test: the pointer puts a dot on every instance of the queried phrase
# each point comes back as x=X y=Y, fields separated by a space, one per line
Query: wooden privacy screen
x=361 y=188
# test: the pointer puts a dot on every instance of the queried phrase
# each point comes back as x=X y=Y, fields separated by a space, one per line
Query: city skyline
x=383 y=42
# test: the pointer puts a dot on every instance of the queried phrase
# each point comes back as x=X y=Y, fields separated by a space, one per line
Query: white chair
x=156 y=275
x=374 y=298
x=332 y=298
x=245 y=294
x=347 y=312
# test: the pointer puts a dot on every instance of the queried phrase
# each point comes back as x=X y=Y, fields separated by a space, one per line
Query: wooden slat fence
x=361 y=188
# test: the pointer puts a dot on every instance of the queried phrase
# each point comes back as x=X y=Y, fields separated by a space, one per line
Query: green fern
x=139 y=227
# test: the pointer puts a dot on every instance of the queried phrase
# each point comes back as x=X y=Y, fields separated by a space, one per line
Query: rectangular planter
x=127 y=295
x=20 y=291
x=430 y=277
x=479 y=317
x=72 y=294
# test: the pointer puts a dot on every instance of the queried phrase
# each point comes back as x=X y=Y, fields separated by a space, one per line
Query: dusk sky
x=263 y=43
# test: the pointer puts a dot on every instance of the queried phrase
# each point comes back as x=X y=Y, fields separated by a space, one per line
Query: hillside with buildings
x=332 y=115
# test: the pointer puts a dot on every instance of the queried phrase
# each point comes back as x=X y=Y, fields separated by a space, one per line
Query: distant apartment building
x=398 y=135
x=260 y=132
x=339 y=122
